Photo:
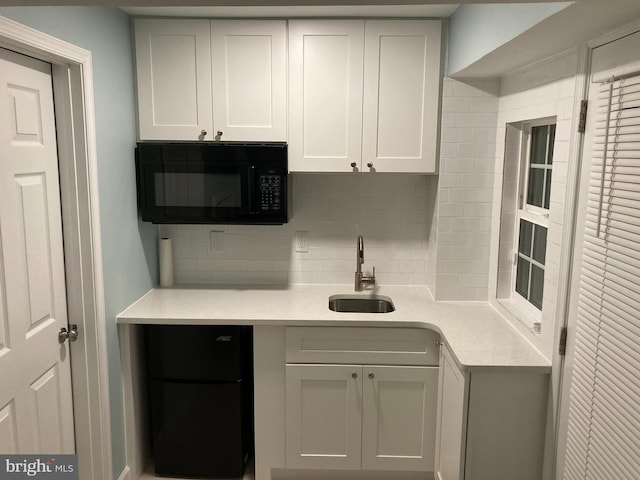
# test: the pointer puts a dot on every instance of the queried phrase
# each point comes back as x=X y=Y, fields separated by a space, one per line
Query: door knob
x=71 y=334
x=371 y=375
x=354 y=375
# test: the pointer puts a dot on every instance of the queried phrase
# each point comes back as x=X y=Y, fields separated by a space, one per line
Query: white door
x=401 y=95
x=323 y=416
x=325 y=95
x=36 y=414
x=174 y=79
x=399 y=417
x=249 y=62
x=599 y=433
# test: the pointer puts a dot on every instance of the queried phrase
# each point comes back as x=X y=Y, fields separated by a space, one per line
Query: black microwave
x=212 y=182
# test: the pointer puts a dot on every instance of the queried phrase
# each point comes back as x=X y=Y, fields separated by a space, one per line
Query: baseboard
x=125 y=475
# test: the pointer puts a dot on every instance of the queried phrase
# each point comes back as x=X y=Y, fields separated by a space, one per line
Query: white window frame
x=531 y=213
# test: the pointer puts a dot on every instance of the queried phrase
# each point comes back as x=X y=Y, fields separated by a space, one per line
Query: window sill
x=531 y=317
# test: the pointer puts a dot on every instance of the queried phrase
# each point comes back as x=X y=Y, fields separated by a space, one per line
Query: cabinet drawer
x=387 y=346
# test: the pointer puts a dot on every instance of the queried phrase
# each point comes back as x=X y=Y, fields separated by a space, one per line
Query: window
x=524 y=219
x=533 y=212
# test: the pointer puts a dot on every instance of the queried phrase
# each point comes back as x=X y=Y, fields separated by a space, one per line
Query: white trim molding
x=74 y=106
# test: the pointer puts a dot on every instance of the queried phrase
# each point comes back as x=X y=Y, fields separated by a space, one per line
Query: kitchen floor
x=248 y=475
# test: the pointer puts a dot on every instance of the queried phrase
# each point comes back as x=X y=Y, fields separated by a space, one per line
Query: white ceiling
x=433 y=11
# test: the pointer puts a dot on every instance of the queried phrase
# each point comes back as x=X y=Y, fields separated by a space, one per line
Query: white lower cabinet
x=323 y=416
x=491 y=423
x=398 y=417
x=450 y=438
x=351 y=417
x=375 y=410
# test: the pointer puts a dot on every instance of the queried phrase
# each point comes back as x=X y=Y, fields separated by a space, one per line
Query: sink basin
x=361 y=304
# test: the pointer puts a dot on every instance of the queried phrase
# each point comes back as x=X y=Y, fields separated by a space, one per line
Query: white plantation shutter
x=603 y=438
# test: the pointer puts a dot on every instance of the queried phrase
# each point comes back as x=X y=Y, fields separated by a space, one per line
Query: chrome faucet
x=361 y=279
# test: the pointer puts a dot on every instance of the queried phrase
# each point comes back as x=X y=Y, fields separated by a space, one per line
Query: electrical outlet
x=302 y=242
x=217 y=240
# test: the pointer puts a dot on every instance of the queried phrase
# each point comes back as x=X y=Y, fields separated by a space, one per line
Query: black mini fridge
x=201 y=399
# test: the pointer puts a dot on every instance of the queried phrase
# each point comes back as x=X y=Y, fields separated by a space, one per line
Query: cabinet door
x=323 y=416
x=249 y=79
x=325 y=94
x=401 y=95
x=173 y=60
x=452 y=420
x=399 y=418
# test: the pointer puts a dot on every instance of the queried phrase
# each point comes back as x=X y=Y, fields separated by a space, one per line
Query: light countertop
x=476 y=334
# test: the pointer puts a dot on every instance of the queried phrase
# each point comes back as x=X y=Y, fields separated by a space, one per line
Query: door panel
x=399 y=414
x=8 y=429
x=35 y=399
x=45 y=395
x=401 y=95
x=323 y=416
x=249 y=63
x=174 y=78
x=325 y=94
x=33 y=222
x=452 y=417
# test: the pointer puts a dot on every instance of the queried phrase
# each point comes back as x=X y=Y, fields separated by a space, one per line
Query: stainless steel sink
x=361 y=304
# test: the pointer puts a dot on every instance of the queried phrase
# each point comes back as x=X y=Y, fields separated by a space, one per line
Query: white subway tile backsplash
x=478 y=180
x=451 y=209
x=393 y=212
x=448 y=120
x=456 y=165
x=455 y=104
x=449 y=150
x=483 y=104
x=474 y=119
x=484 y=134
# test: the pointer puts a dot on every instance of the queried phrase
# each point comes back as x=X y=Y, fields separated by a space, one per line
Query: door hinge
x=582 y=123
x=562 y=347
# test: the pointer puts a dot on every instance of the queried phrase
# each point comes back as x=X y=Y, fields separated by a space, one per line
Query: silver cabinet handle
x=71 y=334
x=353 y=165
x=219 y=134
x=371 y=375
x=203 y=133
x=354 y=375
x=370 y=165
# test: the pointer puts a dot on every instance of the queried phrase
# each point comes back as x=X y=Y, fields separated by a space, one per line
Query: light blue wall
x=476 y=30
x=128 y=247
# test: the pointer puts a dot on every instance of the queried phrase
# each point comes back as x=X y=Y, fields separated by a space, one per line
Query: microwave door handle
x=250 y=189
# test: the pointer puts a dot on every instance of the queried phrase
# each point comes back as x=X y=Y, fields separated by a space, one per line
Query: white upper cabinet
x=401 y=95
x=225 y=76
x=249 y=79
x=364 y=95
x=325 y=94
x=174 y=79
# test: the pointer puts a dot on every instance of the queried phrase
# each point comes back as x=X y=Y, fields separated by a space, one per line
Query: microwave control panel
x=270 y=192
